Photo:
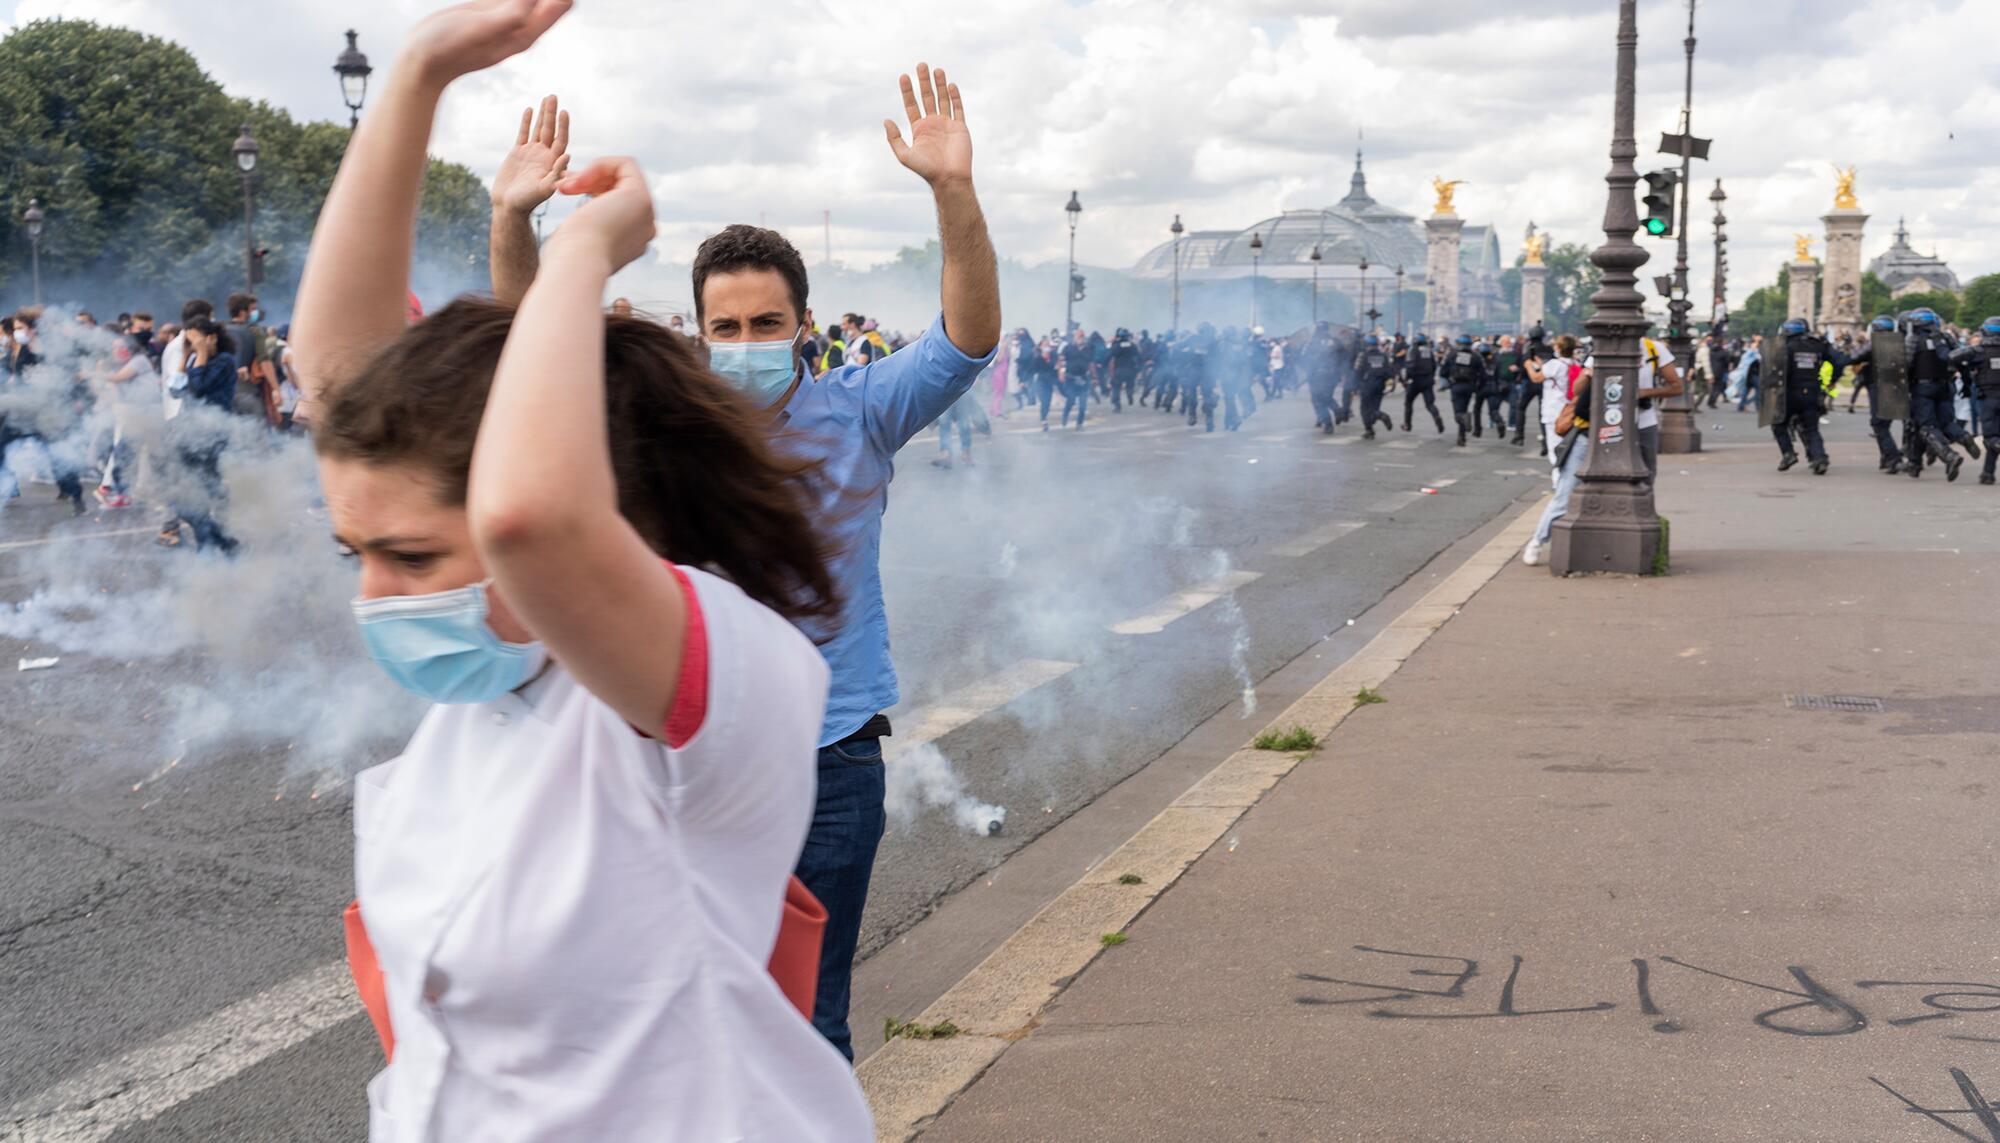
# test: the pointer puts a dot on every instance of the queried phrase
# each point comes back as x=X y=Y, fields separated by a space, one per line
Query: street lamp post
x=1399 y=299
x=1256 y=272
x=1678 y=429
x=1361 y=295
x=32 y=220
x=1315 y=262
x=1177 y=230
x=245 y=152
x=352 y=68
x=1611 y=525
x=1073 y=208
x=1721 y=318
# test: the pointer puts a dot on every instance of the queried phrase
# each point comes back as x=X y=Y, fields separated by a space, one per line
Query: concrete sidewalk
x=1586 y=874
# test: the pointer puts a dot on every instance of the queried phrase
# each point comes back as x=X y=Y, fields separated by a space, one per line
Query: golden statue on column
x=1444 y=192
x=1843 y=191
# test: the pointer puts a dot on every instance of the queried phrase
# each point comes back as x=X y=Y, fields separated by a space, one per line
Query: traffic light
x=1660 y=187
x=1076 y=287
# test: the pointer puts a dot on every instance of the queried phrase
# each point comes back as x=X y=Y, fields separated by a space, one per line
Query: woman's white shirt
x=574 y=921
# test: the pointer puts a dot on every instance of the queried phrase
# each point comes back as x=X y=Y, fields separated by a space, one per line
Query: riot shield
x=1890 y=371
x=1771 y=383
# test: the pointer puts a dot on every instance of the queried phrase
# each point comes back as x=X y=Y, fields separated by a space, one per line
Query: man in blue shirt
x=750 y=300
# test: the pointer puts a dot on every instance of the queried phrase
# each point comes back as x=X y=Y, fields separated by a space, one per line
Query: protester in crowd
x=51 y=418
x=530 y=494
x=211 y=374
x=1557 y=376
x=1572 y=426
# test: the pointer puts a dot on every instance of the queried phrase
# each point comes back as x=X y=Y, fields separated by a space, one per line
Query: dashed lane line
x=10 y=545
x=1183 y=603
x=973 y=702
x=1310 y=542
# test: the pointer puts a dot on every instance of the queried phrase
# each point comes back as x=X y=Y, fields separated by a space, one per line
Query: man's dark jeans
x=848 y=819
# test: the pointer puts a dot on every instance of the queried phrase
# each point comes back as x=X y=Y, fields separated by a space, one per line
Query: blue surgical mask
x=256 y=316
x=762 y=369
x=440 y=645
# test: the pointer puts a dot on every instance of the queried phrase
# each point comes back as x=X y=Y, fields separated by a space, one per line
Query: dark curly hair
x=699 y=475
x=741 y=247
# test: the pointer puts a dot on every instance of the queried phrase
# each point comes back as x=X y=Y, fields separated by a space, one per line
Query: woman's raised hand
x=617 y=223
x=470 y=37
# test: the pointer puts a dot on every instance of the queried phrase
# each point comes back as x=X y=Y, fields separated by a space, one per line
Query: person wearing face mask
x=750 y=292
x=211 y=374
x=572 y=877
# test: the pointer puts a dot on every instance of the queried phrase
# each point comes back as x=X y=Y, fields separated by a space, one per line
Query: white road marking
x=1447 y=482
x=1404 y=443
x=1326 y=440
x=971 y=702
x=1320 y=537
x=1393 y=503
x=12 y=544
x=1183 y=603
x=142 y=1083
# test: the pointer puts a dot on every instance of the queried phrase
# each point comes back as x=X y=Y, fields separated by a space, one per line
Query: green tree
x=126 y=142
x=1945 y=303
x=1572 y=280
x=1764 y=310
x=1875 y=298
x=1981 y=301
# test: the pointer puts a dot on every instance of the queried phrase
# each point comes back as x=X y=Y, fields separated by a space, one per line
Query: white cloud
x=1223 y=111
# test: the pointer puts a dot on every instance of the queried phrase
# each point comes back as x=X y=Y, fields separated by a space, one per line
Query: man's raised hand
x=540 y=158
x=470 y=37
x=616 y=225
x=940 y=147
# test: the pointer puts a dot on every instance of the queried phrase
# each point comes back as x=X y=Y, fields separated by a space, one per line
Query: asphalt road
x=1062 y=613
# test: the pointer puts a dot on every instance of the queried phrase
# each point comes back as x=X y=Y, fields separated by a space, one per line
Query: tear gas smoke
x=920 y=777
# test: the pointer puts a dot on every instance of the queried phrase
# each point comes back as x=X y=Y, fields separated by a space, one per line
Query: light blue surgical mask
x=762 y=369
x=441 y=647
x=256 y=316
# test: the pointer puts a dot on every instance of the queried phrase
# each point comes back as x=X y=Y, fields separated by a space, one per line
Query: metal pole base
x=1678 y=431
x=1611 y=529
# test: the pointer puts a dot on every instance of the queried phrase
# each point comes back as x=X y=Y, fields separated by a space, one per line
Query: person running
x=573 y=876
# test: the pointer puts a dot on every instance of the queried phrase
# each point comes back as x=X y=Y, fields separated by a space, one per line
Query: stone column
x=1441 y=314
x=1803 y=275
x=1534 y=294
x=1842 y=309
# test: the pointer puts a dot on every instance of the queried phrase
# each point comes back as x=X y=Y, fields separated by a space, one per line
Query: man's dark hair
x=241 y=304
x=741 y=247
x=142 y=316
x=196 y=307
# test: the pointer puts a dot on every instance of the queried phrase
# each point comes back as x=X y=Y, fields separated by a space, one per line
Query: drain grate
x=1855 y=703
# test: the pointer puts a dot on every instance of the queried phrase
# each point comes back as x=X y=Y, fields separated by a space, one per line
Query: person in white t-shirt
x=1658 y=378
x=1557 y=376
x=572 y=878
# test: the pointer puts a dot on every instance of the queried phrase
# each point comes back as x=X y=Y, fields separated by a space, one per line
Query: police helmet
x=1465 y=340
x=1423 y=339
x=1926 y=317
x=1884 y=322
x=1793 y=327
x=1991 y=326
x=1371 y=341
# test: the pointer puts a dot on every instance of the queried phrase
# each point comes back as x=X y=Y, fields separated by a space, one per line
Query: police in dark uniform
x=1198 y=387
x=1316 y=365
x=1420 y=366
x=1882 y=371
x=1981 y=365
x=1122 y=373
x=1931 y=413
x=1792 y=400
x=1489 y=404
x=1465 y=371
x=1373 y=368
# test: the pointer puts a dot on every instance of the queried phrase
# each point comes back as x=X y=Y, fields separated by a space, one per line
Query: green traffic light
x=1656 y=226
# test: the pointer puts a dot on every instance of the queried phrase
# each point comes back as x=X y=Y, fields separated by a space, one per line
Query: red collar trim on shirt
x=690 y=704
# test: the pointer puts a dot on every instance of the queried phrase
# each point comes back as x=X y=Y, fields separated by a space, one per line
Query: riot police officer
x=1316 y=366
x=1372 y=369
x=1884 y=373
x=1420 y=366
x=1465 y=371
x=1122 y=372
x=1794 y=387
x=1931 y=413
x=1981 y=365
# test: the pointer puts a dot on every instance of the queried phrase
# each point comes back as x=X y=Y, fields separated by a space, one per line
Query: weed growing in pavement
x=1294 y=741
x=1110 y=939
x=1130 y=879
x=893 y=1029
x=1367 y=695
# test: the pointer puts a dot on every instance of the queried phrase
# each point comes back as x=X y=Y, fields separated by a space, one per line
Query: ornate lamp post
x=244 y=150
x=1611 y=525
x=1177 y=230
x=1361 y=294
x=1721 y=320
x=1073 y=208
x=1315 y=262
x=1256 y=271
x=352 y=68
x=1399 y=299
x=32 y=221
x=1678 y=430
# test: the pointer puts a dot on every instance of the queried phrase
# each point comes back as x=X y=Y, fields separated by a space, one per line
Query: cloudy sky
x=1223 y=111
